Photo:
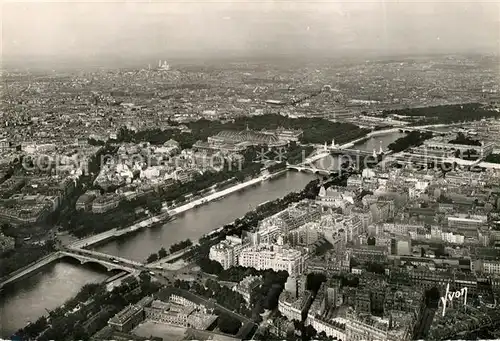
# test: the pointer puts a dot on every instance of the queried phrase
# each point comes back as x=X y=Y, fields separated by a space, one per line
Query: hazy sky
x=247 y=27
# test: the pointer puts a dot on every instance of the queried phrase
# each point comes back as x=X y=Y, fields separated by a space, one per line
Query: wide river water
x=30 y=298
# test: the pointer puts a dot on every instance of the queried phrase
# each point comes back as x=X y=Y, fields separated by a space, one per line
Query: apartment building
x=274 y=257
x=294 y=308
x=332 y=327
x=227 y=252
x=365 y=327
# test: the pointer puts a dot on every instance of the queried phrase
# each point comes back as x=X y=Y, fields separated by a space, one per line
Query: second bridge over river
x=353 y=156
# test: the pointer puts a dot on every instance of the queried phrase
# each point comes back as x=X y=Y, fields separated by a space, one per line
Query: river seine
x=30 y=298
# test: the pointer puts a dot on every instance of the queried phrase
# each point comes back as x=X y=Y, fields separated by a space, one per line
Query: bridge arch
x=103 y=264
x=83 y=261
x=93 y=262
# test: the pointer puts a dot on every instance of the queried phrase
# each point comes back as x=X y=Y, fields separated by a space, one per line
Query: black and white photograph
x=238 y=170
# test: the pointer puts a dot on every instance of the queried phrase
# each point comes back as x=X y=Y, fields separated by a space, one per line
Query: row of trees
x=180 y=245
x=228 y=324
x=162 y=253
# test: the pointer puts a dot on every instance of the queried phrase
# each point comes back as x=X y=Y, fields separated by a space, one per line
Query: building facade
x=278 y=258
x=227 y=252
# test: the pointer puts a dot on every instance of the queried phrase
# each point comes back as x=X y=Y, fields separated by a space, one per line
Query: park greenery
x=413 y=139
x=315 y=130
x=93 y=304
x=444 y=114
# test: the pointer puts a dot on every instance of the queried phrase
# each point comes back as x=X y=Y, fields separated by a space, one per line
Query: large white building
x=227 y=252
x=274 y=257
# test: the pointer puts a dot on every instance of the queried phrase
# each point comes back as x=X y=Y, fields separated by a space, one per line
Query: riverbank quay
x=221 y=194
x=118 y=233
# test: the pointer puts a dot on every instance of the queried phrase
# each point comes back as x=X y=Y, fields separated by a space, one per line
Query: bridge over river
x=84 y=256
x=308 y=165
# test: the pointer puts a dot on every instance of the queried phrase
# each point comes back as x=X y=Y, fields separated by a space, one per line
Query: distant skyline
x=136 y=30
